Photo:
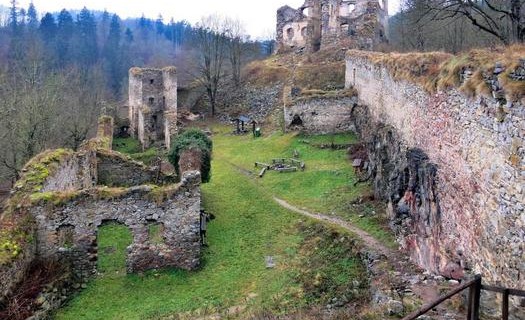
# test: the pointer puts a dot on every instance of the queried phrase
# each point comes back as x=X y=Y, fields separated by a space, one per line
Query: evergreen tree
x=65 y=31
x=48 y=32
x=86 y=39
x=112 y=55
x=32 y=19
x=13 y=17
x=159 y=25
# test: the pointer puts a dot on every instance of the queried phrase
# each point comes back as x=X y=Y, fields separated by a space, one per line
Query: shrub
x=192 y=139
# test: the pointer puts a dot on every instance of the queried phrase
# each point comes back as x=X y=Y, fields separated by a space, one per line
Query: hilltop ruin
x=361 y=24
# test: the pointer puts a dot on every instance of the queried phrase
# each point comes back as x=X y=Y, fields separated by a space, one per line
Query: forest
x=58 y=73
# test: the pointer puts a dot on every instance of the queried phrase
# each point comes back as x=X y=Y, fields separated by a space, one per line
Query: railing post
x=505 y=305
x=474 y=298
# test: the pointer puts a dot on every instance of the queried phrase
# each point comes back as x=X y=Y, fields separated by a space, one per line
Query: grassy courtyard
x=314 y=263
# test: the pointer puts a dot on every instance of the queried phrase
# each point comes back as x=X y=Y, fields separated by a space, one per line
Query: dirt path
x=368 y=240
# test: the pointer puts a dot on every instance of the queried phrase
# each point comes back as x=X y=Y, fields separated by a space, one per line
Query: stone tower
x=153 y=105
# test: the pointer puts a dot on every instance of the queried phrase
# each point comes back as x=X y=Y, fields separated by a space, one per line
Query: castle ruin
x=64 y=196
x=317 y=23
x=153 y=105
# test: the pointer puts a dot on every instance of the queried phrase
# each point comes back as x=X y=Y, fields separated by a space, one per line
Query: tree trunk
x=517 y=21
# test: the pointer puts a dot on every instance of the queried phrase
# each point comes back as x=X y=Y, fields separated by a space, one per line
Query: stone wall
x=451 y=170
x=359 y=24
x=320 y=115
x=76 y=171
x=115 y=170
x=64 y=196
x=176 y=208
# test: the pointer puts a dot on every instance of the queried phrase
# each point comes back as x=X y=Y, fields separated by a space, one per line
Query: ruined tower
x=153 y=105
x=360 y=24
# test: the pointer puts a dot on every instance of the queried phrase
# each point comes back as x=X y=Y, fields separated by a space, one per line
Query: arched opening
x=304 y=32
x=151 y=100
x=113 y=238
x=290 y=33
x=345 y=28
x=296 y=121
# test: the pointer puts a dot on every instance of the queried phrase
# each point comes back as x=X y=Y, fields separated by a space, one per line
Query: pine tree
x=65 y=31
x=112 y=55
x=32 y=19
x=13 y=17
x=86 y=39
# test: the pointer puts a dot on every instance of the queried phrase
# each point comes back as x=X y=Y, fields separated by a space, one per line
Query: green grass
x=313 y=263
x=113 y=238
x=133 y=148
x=327 y=184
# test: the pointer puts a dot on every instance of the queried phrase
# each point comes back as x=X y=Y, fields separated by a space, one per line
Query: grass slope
x=314 y=264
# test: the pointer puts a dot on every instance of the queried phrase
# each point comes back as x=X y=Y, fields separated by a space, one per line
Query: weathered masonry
x=322 y=114
x=317 y=23
x=64 y=196
x=451 y=167
x=153 y=105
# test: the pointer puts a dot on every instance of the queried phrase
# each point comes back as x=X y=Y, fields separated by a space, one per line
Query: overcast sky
x=258 y=16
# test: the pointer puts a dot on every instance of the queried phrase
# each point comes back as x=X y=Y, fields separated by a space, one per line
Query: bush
x=192 y=139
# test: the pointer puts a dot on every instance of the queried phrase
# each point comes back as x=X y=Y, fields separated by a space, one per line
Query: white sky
x=258 y=16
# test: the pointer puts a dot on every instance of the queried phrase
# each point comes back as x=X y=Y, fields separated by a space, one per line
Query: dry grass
x=438 y=70
x=327 y=76
x=266 y=72
x=312 y=94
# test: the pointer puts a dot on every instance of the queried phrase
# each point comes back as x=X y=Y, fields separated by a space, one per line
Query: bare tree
x=503 y=19
x=211 y=43
x=236 y=34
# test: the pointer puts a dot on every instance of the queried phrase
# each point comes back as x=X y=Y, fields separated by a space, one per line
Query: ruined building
x=64 y=196
x=153 y=105
x=317 y=23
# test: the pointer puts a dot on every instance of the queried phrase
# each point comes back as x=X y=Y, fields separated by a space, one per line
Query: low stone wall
x=320 y=115
x=452 y=171
x=116 y=170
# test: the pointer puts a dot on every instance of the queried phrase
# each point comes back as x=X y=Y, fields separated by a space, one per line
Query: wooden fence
x=474 y=286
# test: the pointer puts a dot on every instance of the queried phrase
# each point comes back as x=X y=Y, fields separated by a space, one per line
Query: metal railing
x=475 y=286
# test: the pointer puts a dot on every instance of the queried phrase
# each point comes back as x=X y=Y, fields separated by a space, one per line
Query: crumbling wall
x=451 y=168
x=176 y=208
x=63 y=196
x=320 y=115
x=359 y=24
x=115 y=169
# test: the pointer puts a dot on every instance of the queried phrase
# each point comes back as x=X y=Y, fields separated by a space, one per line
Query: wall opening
x=66 y=236
x=155 y=232
x=305 y=11
x=296 y=121
x=113 y=238
x=345 y=28
x=304 y=32
x=290 y=33
x=151 y=100
x=151 y=81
